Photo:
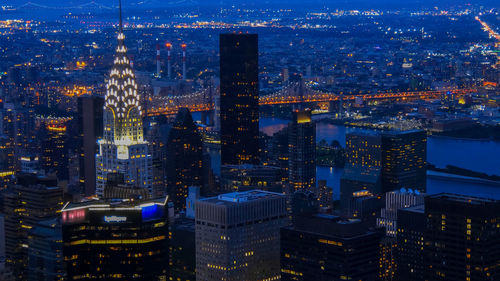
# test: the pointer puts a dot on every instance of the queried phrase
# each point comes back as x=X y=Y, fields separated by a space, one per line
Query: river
x=476 y=155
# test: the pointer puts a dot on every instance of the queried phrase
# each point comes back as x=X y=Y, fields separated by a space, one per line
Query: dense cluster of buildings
x=115 y=194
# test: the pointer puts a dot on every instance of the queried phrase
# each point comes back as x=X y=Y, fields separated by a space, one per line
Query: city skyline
x=275 y=140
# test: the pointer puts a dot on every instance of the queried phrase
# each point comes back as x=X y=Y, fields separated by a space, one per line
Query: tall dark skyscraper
x=302 y=151
x=462 y=238
x=185 y=158
x=90 y=130
x=239 y=102
x=116 y=240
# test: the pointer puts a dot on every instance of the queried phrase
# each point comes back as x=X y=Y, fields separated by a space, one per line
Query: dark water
x=480 y=156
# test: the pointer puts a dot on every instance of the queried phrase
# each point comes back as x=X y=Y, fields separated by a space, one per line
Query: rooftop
x=113 y=203
x=244 y=196
x=464 y=198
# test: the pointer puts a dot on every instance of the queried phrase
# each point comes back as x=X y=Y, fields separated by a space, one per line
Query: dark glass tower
x=184 y=158
x=90 y=129
x=239 y=102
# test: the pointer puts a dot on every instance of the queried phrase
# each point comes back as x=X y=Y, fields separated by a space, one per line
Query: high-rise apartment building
x=238 y=234
x=302 y=151
x=239 y=99
x=123 y=148
x=116 y=240
x=462 y=238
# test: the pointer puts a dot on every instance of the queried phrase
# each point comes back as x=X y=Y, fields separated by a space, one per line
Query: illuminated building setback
x=123 y=148
x=237 y=236
x=116 y=240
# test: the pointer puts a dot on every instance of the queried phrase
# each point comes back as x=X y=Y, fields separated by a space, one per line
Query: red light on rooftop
x=168 y=45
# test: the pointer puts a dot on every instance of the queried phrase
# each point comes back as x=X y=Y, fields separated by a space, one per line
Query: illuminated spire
x=121 y=95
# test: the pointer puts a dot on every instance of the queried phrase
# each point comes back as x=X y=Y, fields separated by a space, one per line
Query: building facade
x=90 y=129
x=238 y=234
x=327 y=248
x=116 y=240
x=462 y=238
x=239 y=99
x=185 y=158
x=302 y=151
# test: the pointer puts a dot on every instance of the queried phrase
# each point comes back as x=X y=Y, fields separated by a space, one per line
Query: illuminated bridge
x=293 y=93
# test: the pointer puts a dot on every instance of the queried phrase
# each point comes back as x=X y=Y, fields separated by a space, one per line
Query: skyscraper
x=123 y=148
x=237 y=236
x=185 y=158
x=462 y=238
x=400 y=157
x=324 y=248
x=90 y=127
x=116 y=240
x=410 y=240
x=302 y=151
x=239 y=101
x=32 y=200
x=404 y=160
x=55 y=149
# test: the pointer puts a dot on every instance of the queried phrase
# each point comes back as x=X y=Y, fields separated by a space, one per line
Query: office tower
x=400 y=156
x=55 y=149
x=116 y=240
x=410 y=240
x=395 y=200
x=462 y=238
x=302 y=203
x=239 y=99
x=184 y=158
x=31 y=200
x=358 y=180
x=387 y=258
x=325 y=247
x=156 y=130
x=404 y=160
x=183 y=250
x=248 y=177
x=364 y=149
x=7 y=162
x=90 y=129
x=237 y=236
x=45 y=257
x=325 y=196
x=123 y=149
x=302 y=151
x=280 y=152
